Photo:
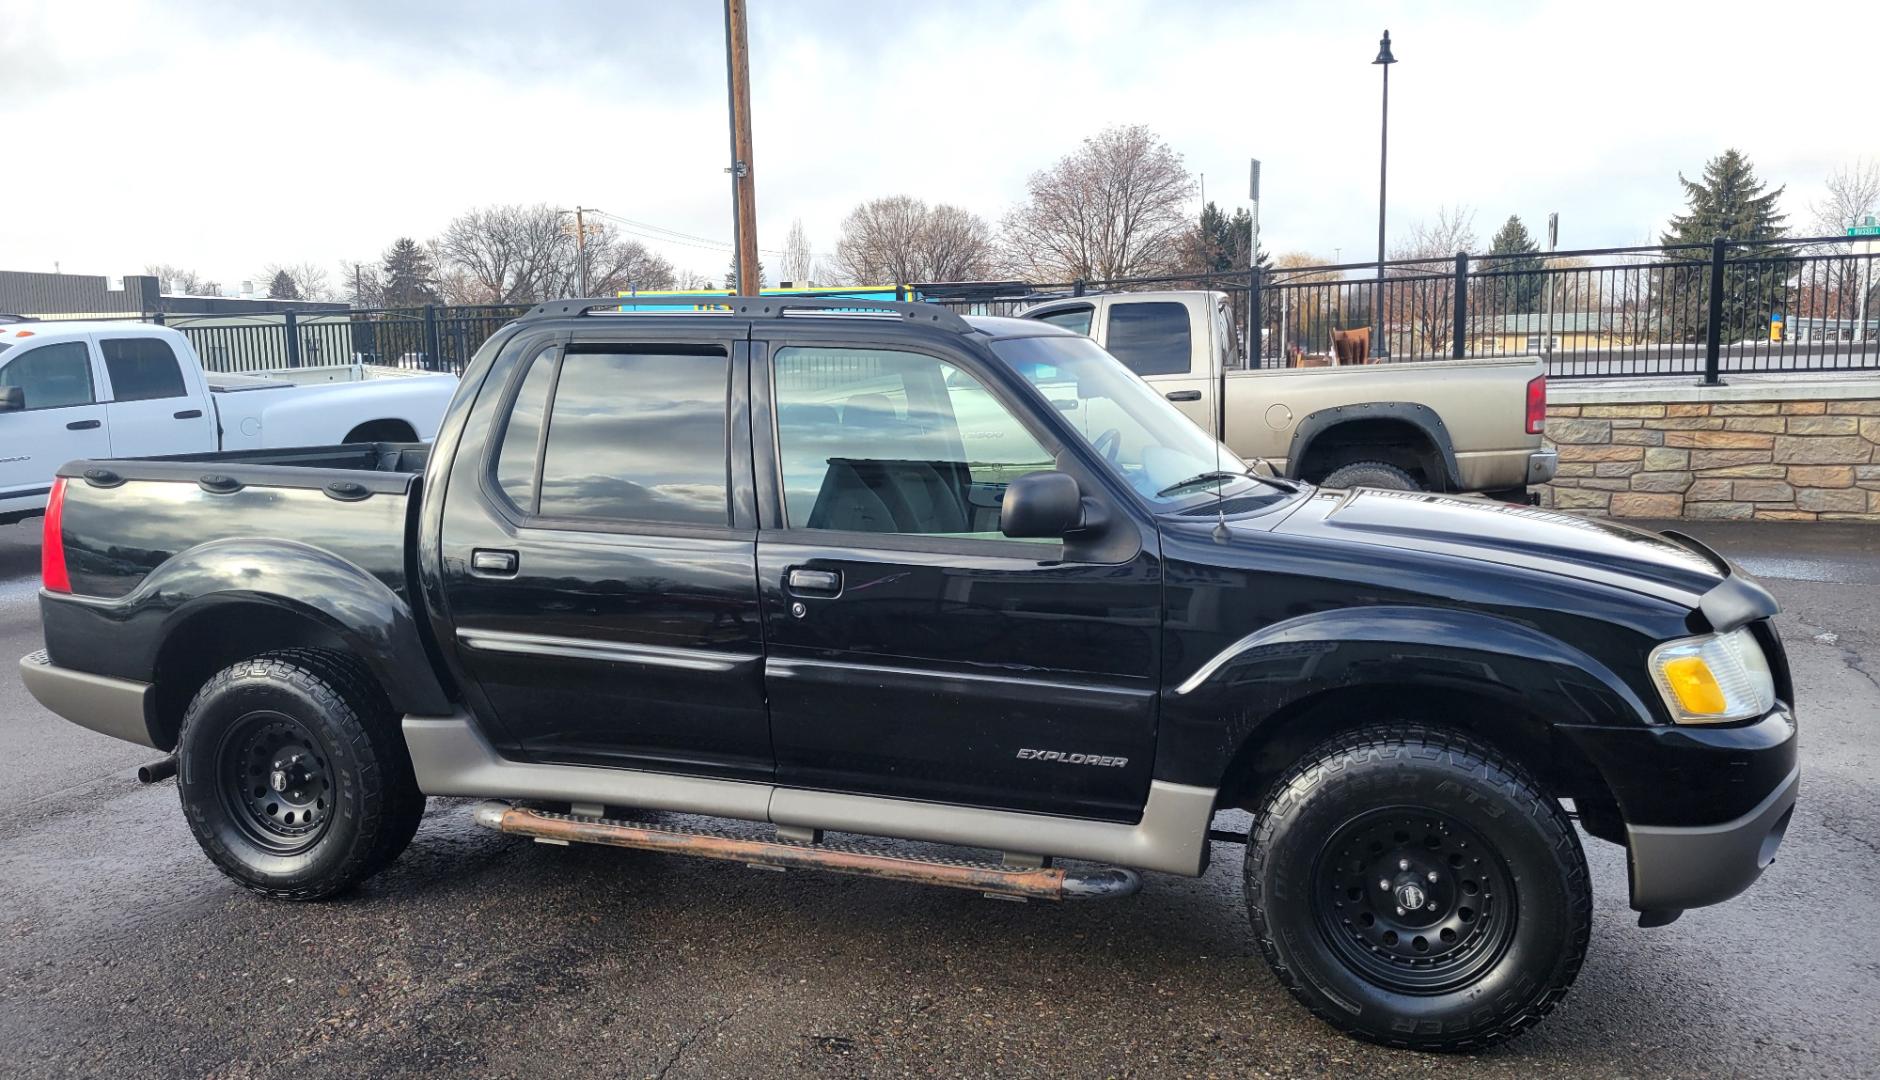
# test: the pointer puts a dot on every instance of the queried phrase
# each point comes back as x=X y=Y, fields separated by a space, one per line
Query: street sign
x=1870 y=227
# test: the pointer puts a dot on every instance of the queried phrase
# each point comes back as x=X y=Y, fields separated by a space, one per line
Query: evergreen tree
x=283 y=287
x=409 y=278
x=1728 y=202
x=1218 y=243
x=1519 y=291
x=731 y=275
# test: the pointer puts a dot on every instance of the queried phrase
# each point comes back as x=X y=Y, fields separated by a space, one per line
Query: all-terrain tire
x=1371 y=474
x=309 y=734
x=1497 y=861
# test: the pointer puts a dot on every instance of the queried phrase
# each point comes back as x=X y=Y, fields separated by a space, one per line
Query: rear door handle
x=1183 y=395
x=83 y=425
x=813 y=582
x=187 y=414
x=491 y=563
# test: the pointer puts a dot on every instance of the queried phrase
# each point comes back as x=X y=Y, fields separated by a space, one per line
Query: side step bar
x=996 y=879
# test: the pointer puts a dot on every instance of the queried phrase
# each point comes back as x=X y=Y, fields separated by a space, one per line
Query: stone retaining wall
x=1717 y=453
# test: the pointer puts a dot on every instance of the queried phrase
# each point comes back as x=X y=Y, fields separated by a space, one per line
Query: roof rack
x=766 y=307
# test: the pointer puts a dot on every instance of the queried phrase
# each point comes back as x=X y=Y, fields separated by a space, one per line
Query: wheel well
x=382 y=431
x=1526 y=738
x=212 y=640
x=1391 y=441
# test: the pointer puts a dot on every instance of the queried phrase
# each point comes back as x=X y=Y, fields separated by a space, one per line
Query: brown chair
x=1352 y=346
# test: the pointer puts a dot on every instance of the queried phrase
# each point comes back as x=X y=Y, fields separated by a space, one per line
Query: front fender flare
x=1210 y=713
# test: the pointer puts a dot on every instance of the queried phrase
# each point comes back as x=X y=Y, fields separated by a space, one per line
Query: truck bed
x=124 y=518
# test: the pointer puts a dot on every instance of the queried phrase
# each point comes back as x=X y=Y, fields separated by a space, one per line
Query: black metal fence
x=432 y=338
x=1702 y=310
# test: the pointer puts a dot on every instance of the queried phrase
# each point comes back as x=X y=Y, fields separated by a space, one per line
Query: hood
x=1520 y=536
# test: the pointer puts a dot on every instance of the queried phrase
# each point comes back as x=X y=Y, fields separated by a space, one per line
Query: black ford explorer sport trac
x=883 y=570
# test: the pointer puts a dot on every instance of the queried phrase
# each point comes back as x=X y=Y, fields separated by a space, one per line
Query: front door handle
x=813 y=582
x=1183 y=395
x=491 y=563
x=187 y=414
x=83 y=425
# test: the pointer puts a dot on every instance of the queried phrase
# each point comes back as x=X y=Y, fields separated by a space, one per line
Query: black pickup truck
x=886 y=571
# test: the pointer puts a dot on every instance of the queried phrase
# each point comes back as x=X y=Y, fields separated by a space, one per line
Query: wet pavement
x=123 y=953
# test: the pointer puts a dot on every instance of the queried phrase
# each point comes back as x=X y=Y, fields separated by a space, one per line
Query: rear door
x=599 y=557
x=156 y=407
x=61 y=419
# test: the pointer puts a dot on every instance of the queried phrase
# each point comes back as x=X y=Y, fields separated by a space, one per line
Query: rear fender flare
x=1226 y=702
x=300 y=580
x=1417 y=415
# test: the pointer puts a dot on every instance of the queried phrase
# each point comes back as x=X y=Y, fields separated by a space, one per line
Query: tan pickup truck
x=1437 y=425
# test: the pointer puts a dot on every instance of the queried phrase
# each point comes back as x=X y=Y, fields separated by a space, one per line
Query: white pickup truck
x=113 y=389
x=1435 y=425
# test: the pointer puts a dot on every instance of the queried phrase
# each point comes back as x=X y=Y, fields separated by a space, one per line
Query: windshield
x=1159 y=451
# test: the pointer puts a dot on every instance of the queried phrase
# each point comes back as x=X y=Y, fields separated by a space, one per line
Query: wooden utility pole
x=743 y=184
x=580 y=250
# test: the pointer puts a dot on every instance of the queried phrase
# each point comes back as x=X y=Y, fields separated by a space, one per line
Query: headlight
x=1714 y=679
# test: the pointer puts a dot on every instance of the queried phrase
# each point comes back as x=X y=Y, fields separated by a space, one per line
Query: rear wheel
x=1371 y=474
x=1414 y=888
x=293 y=775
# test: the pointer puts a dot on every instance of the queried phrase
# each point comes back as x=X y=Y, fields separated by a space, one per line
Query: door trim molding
x=666 y=656
x=451 y=757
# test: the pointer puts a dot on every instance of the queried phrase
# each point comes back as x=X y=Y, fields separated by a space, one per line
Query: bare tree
x=1853 y=192
x=177 y=280
x=1114 y=208
x=691 y=280
x=881 y=241
x=1419 y=304
x=514 y=254
x=361 y=284
x=616 y=265
x=504 y=254
x=956 y=245
x=799 y=262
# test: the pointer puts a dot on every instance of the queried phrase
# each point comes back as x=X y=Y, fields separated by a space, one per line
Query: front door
x=153 y=409
x=912 y=649
x=59 y=419
x=599 y=574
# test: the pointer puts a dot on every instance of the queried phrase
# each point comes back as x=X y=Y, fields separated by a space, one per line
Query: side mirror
x=1041 y=504
x=12 y=398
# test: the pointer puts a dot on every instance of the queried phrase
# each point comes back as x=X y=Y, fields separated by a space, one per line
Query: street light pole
x=1384 y=60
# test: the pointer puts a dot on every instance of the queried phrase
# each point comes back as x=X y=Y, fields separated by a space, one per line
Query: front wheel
x=1415 y=888
x=293 y=775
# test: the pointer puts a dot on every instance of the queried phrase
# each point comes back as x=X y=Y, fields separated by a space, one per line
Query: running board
x=993 y=879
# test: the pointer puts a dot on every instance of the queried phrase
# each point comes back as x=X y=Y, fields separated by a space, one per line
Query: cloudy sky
x=223 y=136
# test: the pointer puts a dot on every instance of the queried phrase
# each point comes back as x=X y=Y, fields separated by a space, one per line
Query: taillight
x=52 y=543
x=1537 y=405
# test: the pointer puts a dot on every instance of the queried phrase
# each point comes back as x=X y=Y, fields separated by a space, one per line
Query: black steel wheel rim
x=1413 y=901
x=276 y=781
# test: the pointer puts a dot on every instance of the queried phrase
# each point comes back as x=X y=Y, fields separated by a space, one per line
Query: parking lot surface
x=124 y=953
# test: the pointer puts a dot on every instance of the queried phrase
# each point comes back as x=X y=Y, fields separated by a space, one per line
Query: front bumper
x=119 y=708
x=1542 y=465
x=1677 y=867
x=1704 y=808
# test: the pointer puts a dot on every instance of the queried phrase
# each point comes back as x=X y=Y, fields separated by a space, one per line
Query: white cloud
x=225 y=136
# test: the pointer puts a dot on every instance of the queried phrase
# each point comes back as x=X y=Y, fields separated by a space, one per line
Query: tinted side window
x=142 y=369
x=881 y=441
x=53 y=376
x=516 y=456
x=1076 y=320
x=639 y=436
x=1150 y=339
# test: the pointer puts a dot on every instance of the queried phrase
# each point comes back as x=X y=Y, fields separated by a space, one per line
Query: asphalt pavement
x=123 y=953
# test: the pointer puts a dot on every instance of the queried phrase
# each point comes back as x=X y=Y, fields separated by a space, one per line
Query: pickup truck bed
x=352 y=507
